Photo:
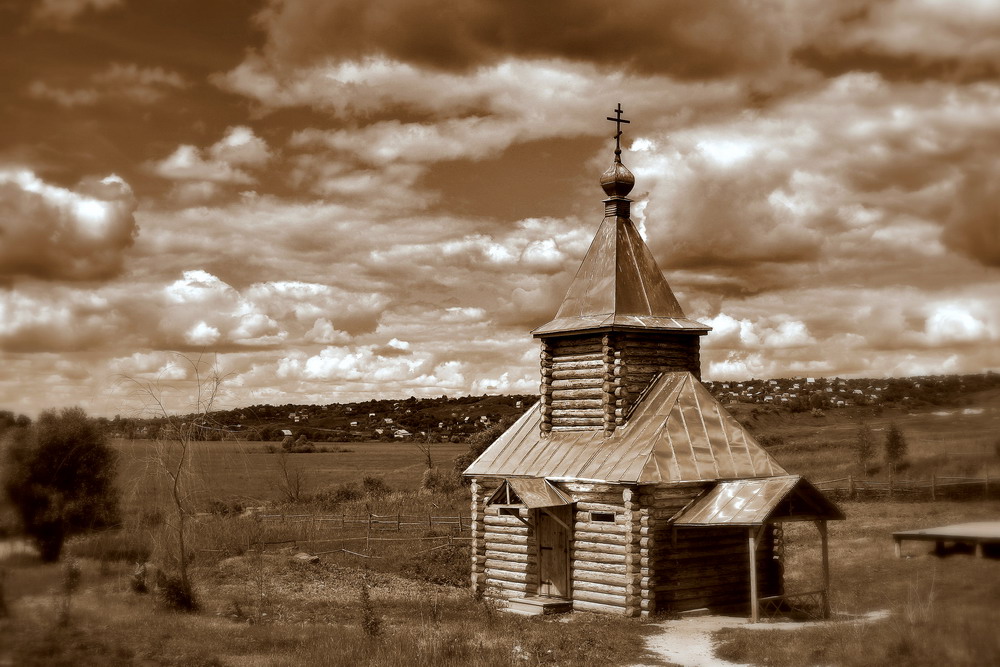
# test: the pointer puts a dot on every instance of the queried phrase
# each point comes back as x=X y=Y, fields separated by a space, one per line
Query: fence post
x=430 y=522
x=398 y=520
x=986 y=485
x=933 y=487
x=851 y=491
x=891 y=476
x=368 y=535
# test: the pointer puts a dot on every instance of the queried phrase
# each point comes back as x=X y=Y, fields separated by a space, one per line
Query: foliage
x=175 y=593
x=895 y=446
x=446 y=565
x=70 y=583
x=333 y=496
x=371 y=621
x=478 y=442
x=374 y=487
x=441 y=480
x=59 y=473
x=864 y=446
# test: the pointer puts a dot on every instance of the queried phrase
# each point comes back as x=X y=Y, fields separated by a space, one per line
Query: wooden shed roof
x=619 y=286
x=753 y=502
x=678 y=432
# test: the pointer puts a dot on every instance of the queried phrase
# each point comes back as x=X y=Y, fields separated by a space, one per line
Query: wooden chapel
x=628 y=488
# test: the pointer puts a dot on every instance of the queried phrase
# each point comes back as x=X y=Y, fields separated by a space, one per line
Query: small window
x=509 y=511
x=606 y=517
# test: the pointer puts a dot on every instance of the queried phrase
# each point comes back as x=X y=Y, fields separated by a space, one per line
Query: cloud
x=51 y=232
x=908 y=39
x=118 y=82
x=678 y=37
x=225 y=161
x=40 y=318
x=61 y=13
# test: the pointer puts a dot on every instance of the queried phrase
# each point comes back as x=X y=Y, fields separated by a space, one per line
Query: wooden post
x=891 y=476
x=754 y=604
x=933 y=487
x=368 y=535
x=986 y=485
x=851 y=491
x=824 y=544
x=898 y=547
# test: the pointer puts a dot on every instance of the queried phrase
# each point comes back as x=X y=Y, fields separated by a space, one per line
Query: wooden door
x=553 y=551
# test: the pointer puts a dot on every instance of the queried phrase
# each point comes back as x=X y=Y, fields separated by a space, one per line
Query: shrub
x=374 y=487
x=333 y=496
x=447 y=565
x=441 y=480
x=371 y=622
x=173 y=594
x=60 y=475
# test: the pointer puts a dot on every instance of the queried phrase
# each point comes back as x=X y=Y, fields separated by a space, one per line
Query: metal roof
x=753 y=502
x=531 y=492
x=619 y=286
x=678 y=432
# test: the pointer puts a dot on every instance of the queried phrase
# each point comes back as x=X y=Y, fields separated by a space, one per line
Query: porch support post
x=824 y=544
x=754 y=533
x=634 y=590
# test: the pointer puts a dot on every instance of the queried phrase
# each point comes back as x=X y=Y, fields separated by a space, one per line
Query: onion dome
x=617 y=181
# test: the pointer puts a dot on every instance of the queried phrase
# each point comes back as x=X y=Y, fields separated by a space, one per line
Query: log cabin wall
x=599 y=547
x=591 y=381
x=573 y=376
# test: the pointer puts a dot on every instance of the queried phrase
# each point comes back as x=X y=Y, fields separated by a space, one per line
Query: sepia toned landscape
x=493 y=333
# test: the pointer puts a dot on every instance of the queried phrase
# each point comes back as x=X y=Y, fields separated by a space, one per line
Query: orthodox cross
x=618 y=120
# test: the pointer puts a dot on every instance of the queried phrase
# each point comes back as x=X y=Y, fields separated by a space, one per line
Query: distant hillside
x=456 y=418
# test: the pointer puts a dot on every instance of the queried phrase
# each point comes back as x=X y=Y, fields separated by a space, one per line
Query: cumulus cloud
x=118 y=82
x=51 y=232
x=225 y=161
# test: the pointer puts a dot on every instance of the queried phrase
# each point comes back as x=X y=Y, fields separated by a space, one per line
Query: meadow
x=259 y=605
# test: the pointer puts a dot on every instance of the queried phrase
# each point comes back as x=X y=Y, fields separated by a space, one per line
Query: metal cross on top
x=618 y=120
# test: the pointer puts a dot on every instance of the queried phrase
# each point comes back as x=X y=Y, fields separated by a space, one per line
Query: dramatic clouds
x=56 y=233
x=340 y=200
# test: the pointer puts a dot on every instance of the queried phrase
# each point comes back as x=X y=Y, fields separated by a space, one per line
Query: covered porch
x=757 y=503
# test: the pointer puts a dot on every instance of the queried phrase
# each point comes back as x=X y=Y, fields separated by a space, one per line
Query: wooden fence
x=935 y=488
x=373 y=522
x=313 y=532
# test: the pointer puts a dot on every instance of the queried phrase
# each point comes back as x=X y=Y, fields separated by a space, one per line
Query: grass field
x=259 y=607
x=245 y=472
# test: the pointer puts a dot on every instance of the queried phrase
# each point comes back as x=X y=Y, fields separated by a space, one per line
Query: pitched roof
x=752 y=502
x=678 y=432
x=619 y=286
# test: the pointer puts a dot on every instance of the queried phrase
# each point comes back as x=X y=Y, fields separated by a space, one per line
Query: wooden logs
x=599 y=607
x=595 y=566
x=583 y=538
x=617 y=600
x=604 y=589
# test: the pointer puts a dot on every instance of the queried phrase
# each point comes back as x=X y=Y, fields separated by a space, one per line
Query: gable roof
x=753 y=502
x=678 y=432
x=532 y=492
x=619 y=286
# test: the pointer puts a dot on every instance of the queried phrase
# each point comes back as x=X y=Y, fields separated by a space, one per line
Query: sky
x=328 y=201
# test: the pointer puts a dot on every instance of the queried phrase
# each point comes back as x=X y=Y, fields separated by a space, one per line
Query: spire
x=618 y=285
x=617 y=181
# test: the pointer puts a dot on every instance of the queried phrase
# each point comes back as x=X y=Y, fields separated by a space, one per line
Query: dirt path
x=688 y=641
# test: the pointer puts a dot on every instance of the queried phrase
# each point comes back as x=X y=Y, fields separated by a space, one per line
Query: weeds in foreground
x=68 y=586
x=371 y=621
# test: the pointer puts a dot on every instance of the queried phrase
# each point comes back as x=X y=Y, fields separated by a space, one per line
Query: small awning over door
x=754 y=502
x=532 y=492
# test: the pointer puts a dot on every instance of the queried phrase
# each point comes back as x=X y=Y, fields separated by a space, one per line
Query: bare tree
x=172 y=457
x=864 y=446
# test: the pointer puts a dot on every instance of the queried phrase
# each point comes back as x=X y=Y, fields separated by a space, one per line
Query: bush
x=333 y=496
x=446 y=565
x=374 y=487
x=59 y=473
x=441 y=480
x=174 y=595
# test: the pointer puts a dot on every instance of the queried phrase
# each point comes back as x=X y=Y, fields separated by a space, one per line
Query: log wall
x=636 y=565
x=591 y=382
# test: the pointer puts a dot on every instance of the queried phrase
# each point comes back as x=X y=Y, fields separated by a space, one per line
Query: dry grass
x=270 y=612
x=942 y=611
